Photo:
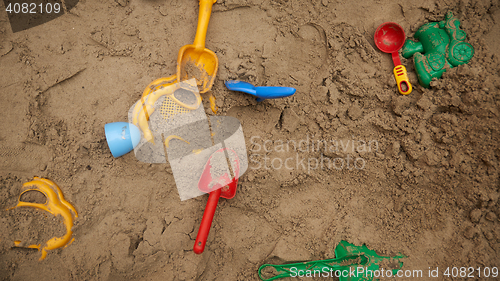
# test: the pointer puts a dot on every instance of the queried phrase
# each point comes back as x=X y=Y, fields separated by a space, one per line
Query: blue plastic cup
x=122 y=137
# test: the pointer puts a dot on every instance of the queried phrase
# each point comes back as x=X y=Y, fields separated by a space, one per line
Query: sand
x=419 y=175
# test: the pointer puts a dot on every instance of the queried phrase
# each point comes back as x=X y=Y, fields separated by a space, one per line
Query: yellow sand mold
x=54 y=204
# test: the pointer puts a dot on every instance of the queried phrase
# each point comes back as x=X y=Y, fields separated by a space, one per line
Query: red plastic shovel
x=389 y=38
x=218 y=183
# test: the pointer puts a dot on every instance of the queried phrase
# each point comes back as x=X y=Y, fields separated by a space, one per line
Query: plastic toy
x=171 y=106
x=54 y=204
x=352 y=263
x=261 y=93
x=216 y=180
x=169 y=123
x=389 y=38
x=196 y=61
x=121 y=137
x=441 y=45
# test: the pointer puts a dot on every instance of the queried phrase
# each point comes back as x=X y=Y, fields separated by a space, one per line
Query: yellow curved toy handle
x=203 y=19
x=158 y=83
x=404 y=85
x=153 y=86
x=156 y=89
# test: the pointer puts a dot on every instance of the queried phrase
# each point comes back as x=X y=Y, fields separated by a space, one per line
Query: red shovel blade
x=389 y=38
x=216 y=175
x=215 y=179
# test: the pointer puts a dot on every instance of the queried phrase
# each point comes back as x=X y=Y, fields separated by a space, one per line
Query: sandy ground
x=427 y=187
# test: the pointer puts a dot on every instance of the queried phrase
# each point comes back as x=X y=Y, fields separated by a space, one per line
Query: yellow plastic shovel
x=196 y=61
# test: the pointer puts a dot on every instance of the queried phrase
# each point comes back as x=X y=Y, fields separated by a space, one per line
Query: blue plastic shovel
x=261 y=93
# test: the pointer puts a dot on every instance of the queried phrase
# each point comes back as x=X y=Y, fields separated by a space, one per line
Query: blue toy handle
x=273 y=92
x=262 y=92
x=240 y=86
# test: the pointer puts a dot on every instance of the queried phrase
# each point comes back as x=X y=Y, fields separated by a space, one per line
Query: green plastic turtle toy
x=441 y=45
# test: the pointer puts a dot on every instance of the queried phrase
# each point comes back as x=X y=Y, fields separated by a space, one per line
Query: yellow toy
x=170 y=107
x=196 y=61
x=54 y=204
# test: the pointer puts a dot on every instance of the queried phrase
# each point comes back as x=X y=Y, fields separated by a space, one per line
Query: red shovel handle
x=395 y=58
x=206 y=221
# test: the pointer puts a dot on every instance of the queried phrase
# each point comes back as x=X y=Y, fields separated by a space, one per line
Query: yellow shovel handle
x=401 y=76
x=203 y=19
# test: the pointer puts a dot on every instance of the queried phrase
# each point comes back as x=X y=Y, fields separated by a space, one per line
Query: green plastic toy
x=441 y=45
x=352 y=263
